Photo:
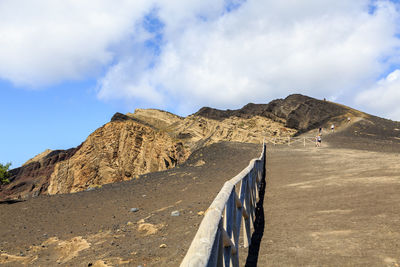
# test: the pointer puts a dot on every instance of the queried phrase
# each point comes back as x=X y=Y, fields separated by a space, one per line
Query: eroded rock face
x=197 y=131
x=32 y=179
x=120 y=150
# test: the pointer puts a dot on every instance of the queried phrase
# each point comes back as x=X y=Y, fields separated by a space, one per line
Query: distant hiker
x=320 y=130
x=318 y=140
x=333 y=127
x=348 y=119
x=324 y=99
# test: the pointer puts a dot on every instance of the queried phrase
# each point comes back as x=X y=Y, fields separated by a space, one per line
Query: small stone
x=134 y=210
x=129 y=223
x=163 y=246
x=143 y=195
x=200 y=213
x=175 y=213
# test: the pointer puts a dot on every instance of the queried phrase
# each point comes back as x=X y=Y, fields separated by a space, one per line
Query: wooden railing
x=290 y=140
x=217 y=240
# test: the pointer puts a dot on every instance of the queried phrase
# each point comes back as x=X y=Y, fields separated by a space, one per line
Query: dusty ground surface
x=337 y=205
x=332 y=206
x=97 y=228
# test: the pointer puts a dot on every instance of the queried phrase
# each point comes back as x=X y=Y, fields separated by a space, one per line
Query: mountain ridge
x=151 y=140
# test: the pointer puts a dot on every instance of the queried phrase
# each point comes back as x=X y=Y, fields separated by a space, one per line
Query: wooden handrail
x=216 y=242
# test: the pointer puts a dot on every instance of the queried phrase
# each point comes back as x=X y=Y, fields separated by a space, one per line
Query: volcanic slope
x=98 y=226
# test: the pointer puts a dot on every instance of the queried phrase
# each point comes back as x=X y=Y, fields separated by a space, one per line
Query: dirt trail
x=331 y=207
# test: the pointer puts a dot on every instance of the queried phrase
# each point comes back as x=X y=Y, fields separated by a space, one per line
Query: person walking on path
x=333 y=127
x=318 y=141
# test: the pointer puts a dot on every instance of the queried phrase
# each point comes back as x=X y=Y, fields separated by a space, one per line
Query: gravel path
x=331 y=207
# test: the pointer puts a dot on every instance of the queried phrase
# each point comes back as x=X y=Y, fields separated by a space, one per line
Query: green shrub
x=4 y=174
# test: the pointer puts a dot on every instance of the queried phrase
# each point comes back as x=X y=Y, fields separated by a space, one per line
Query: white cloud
x=383 y=98
x=207 y=56
x=270 y=49
x=44 y=41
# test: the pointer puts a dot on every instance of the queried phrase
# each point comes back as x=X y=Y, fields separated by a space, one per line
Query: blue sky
x=66 y=68
x=56 y=118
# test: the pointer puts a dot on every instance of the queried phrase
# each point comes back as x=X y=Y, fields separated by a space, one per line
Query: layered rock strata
x=119 y=150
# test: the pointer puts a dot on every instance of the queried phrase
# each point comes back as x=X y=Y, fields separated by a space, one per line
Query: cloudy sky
x=67 y=66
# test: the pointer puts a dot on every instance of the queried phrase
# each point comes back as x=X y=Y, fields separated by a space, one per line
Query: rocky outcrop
x=197 y=131
x=32 y=179
x=200 y=131
x=118 y=151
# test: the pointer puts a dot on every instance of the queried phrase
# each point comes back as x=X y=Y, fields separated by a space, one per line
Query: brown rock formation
x=197 y=131
x=32 y=179
x=120 y=150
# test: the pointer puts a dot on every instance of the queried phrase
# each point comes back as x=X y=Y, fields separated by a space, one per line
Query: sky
x=67 y=66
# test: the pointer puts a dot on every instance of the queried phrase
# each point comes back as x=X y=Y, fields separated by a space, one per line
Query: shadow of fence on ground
x=259 y=225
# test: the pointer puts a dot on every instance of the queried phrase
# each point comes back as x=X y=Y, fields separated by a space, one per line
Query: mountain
x=150 y=140
x=298 y=112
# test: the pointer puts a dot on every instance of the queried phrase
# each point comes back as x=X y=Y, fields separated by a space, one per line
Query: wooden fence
x=292 y=140
x=217 y=240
